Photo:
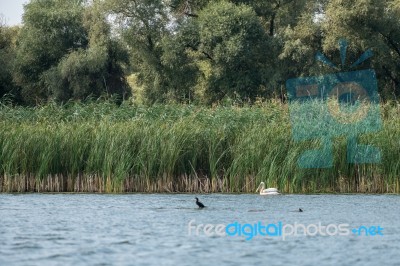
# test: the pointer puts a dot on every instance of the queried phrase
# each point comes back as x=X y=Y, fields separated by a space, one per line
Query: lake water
x=37 y=229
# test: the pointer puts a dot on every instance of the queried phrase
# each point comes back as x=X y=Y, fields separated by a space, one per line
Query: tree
x=207 y=50
x=275 y=16
x=158 y=58
x=51 y=29
x=8 y=36
x=302 y=41
x=142 y=25
x=364 y=24
x=180 y=69
x=57 y=54
x=95 y=70
x=371 y=24
x=235 y=49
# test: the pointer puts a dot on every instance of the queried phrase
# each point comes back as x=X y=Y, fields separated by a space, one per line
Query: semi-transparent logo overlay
x=249 y=231
x=343 y=104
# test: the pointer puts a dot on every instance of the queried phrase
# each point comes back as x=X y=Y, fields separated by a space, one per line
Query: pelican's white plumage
x=268 y=191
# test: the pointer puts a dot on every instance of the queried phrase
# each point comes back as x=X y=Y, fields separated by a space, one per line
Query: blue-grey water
x=38 y=229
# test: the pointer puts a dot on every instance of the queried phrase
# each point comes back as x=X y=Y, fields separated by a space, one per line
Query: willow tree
x=147 y=28
x=235 y=47
x=57 y=56
x=274 y=17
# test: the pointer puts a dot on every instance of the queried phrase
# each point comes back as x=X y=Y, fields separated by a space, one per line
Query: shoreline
x=203 y=194
x=96 y=184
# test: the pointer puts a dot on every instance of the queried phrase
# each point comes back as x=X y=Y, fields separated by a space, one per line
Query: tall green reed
x=101 y=147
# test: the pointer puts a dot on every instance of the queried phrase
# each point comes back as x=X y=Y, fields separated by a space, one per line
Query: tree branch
x=197 y=50
x=390 y=42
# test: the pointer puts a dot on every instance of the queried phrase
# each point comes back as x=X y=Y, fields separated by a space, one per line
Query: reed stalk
x=104 y=148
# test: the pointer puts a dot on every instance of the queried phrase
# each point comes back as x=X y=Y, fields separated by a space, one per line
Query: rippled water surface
x=153 y=230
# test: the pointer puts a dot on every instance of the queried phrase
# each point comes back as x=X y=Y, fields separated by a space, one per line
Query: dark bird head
x=300 y=210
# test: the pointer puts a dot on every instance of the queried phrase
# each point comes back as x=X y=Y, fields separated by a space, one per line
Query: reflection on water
x=153 y=230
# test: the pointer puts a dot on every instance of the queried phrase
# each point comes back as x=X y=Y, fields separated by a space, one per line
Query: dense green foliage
x=191 y=51
x=101 y=147
x=65 y=52
x=7 y=53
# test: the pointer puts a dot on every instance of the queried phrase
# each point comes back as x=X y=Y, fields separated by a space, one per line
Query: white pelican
x=268 y=191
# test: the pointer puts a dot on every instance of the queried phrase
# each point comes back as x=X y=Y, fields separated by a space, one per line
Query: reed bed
x=101 y=147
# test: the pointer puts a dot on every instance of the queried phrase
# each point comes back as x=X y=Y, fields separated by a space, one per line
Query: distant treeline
x=200 y=51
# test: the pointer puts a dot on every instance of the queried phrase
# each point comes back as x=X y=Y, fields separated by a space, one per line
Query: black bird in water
x=201 y=205
x=300 y=210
